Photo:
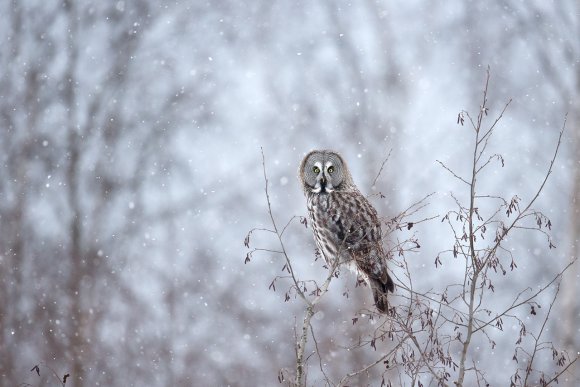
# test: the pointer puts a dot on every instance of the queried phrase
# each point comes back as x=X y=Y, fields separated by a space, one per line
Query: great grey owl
x=346 y=227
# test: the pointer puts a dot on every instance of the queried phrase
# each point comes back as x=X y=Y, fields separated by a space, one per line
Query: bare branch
x=537 y=339
x=381 y=169
x=453 y=173
x=555 y=378
x=279 y=235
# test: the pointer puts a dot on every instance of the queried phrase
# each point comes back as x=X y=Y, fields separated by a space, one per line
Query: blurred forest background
x=130 y=137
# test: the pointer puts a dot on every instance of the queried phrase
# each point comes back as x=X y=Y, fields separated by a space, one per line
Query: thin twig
x=453 y=173
x=555 y=378
x=369 y=366
x=516 y=304
x=537 y=339
x=271 y=214
x=381 y=169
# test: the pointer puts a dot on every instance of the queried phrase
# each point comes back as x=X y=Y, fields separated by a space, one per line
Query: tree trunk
x=76 y=259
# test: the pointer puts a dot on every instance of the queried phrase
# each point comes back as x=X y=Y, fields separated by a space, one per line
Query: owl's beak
x=322 y=184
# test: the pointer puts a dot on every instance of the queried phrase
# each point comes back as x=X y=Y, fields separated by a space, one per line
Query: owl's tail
x=380 y=288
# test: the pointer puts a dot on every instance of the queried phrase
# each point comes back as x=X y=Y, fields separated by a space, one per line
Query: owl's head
x=324 y=171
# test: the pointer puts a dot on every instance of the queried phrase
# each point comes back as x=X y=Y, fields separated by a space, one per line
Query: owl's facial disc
x=323 y=183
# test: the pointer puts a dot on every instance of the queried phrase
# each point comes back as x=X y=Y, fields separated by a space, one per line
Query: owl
x=345 y=225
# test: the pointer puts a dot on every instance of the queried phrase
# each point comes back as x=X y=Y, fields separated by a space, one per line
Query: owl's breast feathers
x=346 y=222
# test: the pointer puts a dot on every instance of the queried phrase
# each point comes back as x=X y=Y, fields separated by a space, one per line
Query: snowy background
x=130 y=173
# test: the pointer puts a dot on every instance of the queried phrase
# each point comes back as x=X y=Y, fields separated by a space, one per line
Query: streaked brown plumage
x=346 y=226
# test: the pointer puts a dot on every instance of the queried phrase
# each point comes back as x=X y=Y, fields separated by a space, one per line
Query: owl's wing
x=360 y=233
x=354 y=223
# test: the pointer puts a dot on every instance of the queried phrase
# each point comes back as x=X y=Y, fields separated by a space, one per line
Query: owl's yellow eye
x=316 y=170
x=330 y=169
